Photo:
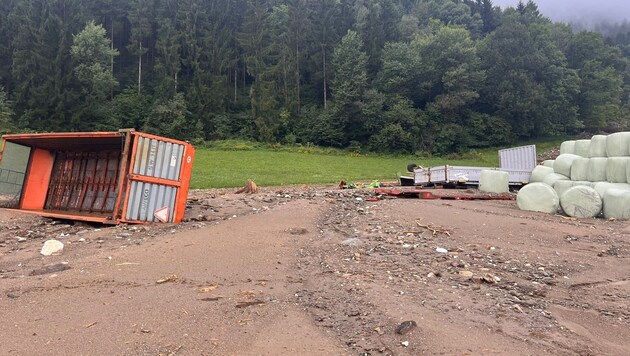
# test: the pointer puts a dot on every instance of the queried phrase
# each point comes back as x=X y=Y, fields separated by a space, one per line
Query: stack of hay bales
x=588 y=178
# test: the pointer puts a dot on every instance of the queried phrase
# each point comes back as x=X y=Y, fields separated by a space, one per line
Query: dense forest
x=433 y=76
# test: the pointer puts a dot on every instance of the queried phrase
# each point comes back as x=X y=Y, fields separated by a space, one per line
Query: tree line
x=434 y=76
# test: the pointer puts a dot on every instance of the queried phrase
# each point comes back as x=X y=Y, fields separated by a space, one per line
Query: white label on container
x=173 y=161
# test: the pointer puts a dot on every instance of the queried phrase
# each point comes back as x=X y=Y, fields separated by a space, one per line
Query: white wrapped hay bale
x=538 y=197
x=598 y=146
x=618 y=144
x=617 y=204
x=548 y=163
x=562 y=186
x=494 y=181
x=567 y=147
x=602 y=187
x=581 y=202
x=584 y=183
x=597 y=169
x=579 y=169
x=616 y=169
x=552 y=178
x=582 y=147
x=563 y=164
x=539 y=173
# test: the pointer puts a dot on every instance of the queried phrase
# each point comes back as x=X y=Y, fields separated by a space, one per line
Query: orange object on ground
x=107 y=177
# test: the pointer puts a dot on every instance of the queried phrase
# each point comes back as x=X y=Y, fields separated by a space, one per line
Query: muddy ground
x=317 y=270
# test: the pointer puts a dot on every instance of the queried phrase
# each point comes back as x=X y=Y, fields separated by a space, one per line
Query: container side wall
x=156 y=158
x=147 y=198
x=518 y=158
x=37 y=180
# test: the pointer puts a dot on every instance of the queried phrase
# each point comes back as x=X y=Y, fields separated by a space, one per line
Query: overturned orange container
x=107 y=177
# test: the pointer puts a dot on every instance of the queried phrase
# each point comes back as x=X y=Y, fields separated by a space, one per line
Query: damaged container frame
x=105 y=177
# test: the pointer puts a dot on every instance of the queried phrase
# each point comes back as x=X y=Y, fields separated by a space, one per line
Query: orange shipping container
x=108 y=177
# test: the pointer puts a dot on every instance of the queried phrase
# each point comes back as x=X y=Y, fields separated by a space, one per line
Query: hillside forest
x=433 y=76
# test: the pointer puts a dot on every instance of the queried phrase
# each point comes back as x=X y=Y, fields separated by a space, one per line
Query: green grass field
x=222 y=167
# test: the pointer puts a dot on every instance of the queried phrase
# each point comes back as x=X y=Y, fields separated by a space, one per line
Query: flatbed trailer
x=518 y=162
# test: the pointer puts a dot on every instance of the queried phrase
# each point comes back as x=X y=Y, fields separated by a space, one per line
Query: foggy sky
x=584 y=11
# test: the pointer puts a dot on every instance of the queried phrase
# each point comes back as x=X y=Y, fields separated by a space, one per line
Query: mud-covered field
x=317 y=270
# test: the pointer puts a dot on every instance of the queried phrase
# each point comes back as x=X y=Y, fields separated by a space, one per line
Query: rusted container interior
x=107 y=177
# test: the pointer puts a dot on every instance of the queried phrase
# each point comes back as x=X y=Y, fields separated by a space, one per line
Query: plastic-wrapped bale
x=581 y=202
x=617 y=204
x=584 y=183
x=582 y=148
x=562 y=186
x=548 y=163
x=618 y=144
x=616 y=169
x=579 y=169
x=552 y=178
x=597 y=147
x=597 y=169
x=563 y=164
x=567 y=147
x=538 y=197
x=602 y=187
x=539 y=173
x=494 y=181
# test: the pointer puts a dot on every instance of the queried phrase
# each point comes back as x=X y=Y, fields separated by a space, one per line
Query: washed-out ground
x=319 y=271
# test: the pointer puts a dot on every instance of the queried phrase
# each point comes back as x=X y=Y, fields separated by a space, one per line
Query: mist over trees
x=435 y=76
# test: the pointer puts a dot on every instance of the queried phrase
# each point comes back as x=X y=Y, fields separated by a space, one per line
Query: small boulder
x=52 y=247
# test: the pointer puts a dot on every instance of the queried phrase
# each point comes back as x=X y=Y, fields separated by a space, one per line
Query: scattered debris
x=249 y=304
x=128 y=264
x=212 y=299
x=52 y=247
x=441 y=250
x=435 y=229
x=208 y=289
x=405 y=327
x=351 y=242
x=58 y=267
x=171 y=278
x=91 y=325
x=344 y=185
x=490 y=278
x=249 y=188
x=297 y=231
x=405 y=343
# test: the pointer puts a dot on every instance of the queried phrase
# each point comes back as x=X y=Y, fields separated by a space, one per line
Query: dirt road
x=318 y=271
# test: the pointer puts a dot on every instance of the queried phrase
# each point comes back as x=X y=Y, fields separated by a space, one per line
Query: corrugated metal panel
x=146 y=198
x=84 y=181
x=518 y=158
x=159 y=159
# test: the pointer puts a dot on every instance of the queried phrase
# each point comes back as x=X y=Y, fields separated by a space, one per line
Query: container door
x=84 y=182
x=154 y=181
x=12 y=172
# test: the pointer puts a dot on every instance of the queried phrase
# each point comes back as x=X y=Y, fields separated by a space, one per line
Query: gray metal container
x=518 y=158
x=157 y=159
